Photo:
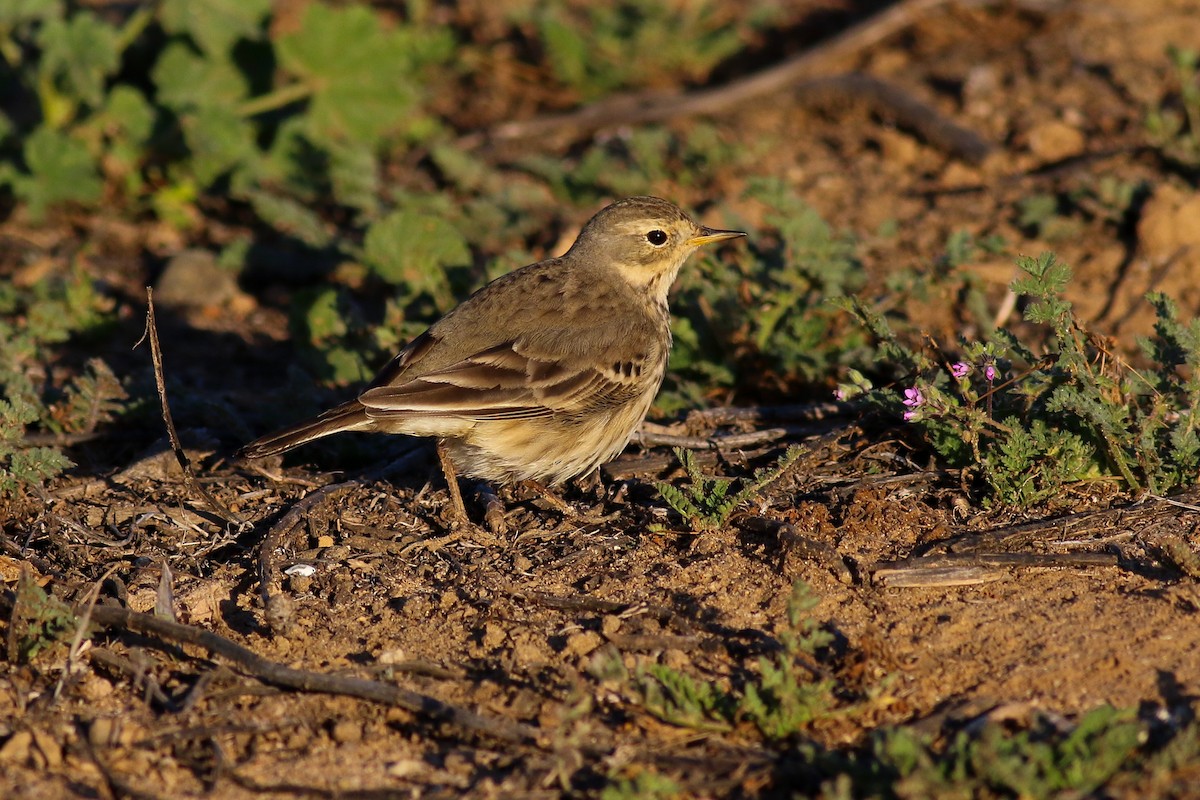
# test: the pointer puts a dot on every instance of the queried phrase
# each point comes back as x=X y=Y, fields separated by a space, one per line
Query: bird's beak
x=708 y=236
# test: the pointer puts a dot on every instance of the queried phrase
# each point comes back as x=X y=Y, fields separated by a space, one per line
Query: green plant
x=39 y=620
x=646 y=785
x=780 y=701
x=708 y=502
x=785 y=698
x=596 y=48
x=1033 y=419
x=1175 y=131
x=32 y=321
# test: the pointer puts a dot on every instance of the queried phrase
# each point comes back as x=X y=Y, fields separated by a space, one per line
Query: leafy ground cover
x=929 y=526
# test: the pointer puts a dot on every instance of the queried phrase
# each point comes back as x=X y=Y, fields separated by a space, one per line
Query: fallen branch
x=961 y=569
x=276 y=674
x=792 y=74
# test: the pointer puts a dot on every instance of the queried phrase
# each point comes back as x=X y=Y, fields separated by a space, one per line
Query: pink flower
x=839 y=394
x=909 y=415
x=989 y=372
x=913 y=397
x=960 y=370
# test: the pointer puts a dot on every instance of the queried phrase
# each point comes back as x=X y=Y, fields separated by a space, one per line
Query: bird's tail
x=349 y=416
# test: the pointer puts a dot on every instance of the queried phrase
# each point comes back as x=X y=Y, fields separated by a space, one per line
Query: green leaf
x=365 y=79
x=414 y=250
x=215 y=25
x=61 y=170
x=219 y=141
x=16 y=12
x=78 y=54
x=186 y=80
x=288 y=216
x=354 y=173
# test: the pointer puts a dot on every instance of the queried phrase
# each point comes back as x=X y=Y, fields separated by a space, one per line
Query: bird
x=543 y=374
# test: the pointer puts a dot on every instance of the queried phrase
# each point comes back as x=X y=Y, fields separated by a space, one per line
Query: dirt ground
x=514 y=629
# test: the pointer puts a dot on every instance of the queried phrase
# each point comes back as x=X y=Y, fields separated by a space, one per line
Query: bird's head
x=646 y=239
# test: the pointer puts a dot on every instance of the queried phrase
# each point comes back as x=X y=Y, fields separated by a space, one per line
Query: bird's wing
x=514 y=380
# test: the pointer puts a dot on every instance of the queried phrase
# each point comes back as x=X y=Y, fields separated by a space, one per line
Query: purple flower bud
x=909 y=415
x=839 y=394
x=989 y=372
x=960 y=369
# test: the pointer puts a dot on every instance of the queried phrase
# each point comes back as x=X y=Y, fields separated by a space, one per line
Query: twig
x=303 y=680
x=643 y=107
x=716 y=441
x=189 y=478
x=794 y=541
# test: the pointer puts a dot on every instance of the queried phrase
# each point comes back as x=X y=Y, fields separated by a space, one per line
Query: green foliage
x=32 y=321
x=646 y=785
x=597 y=47
x=224 y=95
x=708 y=502
x=680 y=700
x=1041 y=762
x=1175 y=129
x=414 y=251
x=1031 y=425
x=786 y=699
x=780 y=702
x=39 y=620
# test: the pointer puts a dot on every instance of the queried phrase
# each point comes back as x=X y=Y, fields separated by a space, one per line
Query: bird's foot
x=547 y=498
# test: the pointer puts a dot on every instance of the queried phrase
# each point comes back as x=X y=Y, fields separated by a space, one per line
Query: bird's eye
x=657 y=238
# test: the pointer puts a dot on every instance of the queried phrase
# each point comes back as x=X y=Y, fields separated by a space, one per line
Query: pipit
x=545 y=373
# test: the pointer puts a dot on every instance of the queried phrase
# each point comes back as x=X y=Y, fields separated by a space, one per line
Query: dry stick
x=629 y=109
x=189 y=479
x=303 y=680
x=1070 y=524
x=966 y=568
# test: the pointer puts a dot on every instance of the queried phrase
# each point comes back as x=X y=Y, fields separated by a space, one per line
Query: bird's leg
x=458 y=510
x=493 y=508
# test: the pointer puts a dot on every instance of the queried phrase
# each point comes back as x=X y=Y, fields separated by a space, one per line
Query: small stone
x=324 y=540
x=101 y=732
x=1168 y=224
x=406 y=768
x=16 y=749
x=1055 y=140
x=300 y=584
x=393 y=655
x=194 y=279
x=676 y=659
x=493 y=635
x=610 y=625
x=347 y=732
x=581 y=643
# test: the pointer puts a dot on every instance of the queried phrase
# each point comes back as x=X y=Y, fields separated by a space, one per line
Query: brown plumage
x=544 y=373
